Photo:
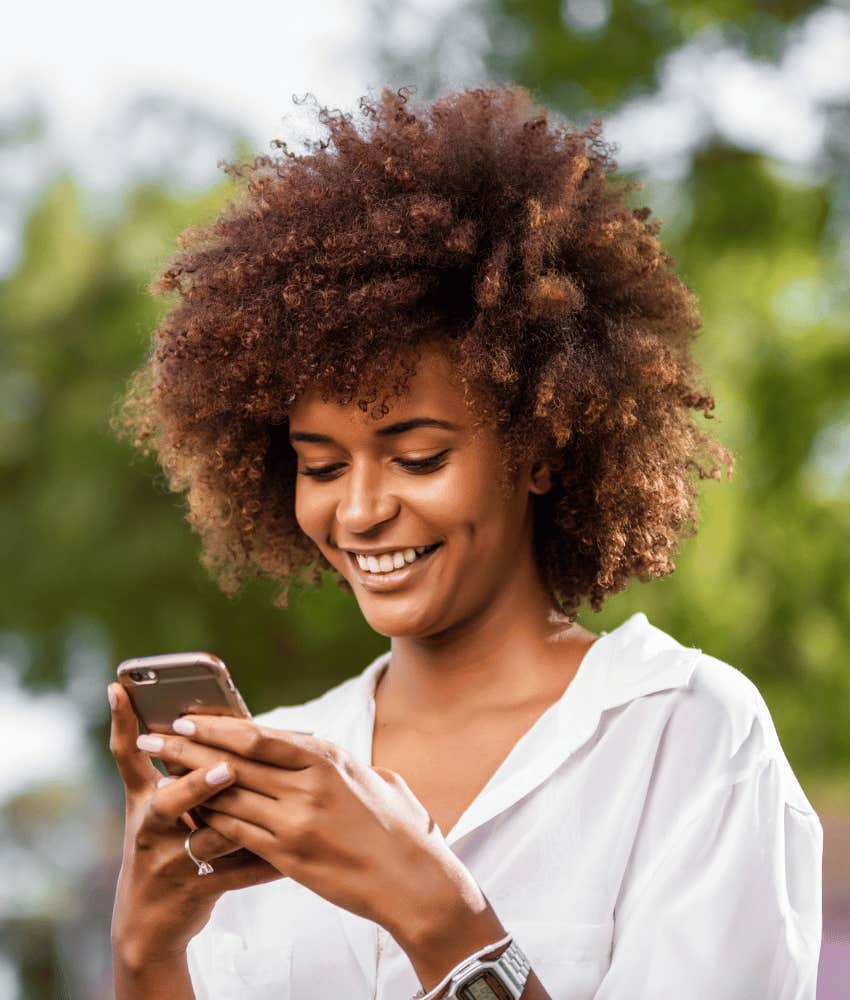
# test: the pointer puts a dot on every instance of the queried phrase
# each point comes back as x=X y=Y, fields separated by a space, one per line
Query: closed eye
x=415 y=466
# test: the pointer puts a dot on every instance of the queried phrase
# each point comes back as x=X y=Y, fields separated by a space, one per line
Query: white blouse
x=646 y=839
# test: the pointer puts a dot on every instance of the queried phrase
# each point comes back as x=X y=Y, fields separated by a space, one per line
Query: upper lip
x=381 y=552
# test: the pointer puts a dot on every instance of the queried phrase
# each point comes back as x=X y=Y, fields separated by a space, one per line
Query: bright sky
x=241 y=61
x=84 y=62
x=239 y=64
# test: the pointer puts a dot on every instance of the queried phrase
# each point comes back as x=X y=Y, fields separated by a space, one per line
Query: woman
x=441 y=356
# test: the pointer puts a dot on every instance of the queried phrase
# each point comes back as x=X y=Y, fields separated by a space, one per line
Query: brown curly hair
x=472 y=218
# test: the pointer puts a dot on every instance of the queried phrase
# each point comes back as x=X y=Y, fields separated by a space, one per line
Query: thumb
x=136 y=770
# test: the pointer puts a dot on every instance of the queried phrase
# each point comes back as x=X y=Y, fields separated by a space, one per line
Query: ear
x=540 y=477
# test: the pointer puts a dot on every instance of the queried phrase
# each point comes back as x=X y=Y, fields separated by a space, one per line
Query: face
x=423 y=477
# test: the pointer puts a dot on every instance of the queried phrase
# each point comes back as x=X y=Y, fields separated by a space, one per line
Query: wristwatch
x=502 y=978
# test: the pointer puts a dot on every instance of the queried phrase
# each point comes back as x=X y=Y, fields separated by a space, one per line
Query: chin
x=394 y=624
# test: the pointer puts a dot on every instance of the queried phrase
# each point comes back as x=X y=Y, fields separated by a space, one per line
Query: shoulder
x=703 y=723
x=722 y=710
x=722 y=724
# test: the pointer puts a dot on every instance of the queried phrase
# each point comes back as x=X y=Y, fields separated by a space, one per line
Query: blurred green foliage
x=89 y=530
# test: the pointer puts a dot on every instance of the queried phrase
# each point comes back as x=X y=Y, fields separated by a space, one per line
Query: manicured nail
x=183 y=726
x=148 y=741
x=113 y=701
x=216 y=775
x=164 y=780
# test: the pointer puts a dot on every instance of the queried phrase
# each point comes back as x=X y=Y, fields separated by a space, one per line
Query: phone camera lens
x=136 y=675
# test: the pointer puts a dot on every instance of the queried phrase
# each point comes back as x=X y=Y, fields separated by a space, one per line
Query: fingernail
x=165 y=780
x=183 y=726
x=113 y=701
x=216 y=775
x=148 y=741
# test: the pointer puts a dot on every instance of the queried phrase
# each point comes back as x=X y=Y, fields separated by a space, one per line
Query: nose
x=364 y=502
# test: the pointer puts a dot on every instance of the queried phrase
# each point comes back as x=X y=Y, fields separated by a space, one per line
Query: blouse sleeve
x=731 y=908
x=199 y=961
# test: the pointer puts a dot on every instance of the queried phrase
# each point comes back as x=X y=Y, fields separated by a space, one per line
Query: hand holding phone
x=162 y=688
x=160 y=901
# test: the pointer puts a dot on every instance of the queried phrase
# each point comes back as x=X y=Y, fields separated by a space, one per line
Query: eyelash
x=420 y=466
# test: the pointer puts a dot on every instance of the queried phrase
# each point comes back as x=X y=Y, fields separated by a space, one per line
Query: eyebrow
x=401 y=427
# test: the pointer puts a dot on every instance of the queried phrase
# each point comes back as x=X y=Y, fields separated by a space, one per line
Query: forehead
x=432 y=391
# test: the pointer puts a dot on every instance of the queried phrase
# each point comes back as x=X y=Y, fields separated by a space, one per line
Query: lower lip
x=395 y=578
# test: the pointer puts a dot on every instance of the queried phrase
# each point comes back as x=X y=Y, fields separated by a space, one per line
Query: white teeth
x=388 y=561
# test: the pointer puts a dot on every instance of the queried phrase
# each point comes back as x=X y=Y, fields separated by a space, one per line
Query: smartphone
x=162 y=688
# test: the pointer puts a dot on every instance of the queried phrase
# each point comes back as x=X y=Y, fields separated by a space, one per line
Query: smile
x=391 y=578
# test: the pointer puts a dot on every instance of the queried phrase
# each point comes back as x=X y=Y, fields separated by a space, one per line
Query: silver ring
x=204 y=867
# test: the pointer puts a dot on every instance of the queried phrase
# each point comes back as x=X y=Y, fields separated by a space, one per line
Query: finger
x=172 y=799
x=208 y=844
x=234 y=865
x=179 y=752
x=239 y=873
x=282 y=747
x=187 y=818
x=255 y=838
x=244 y=804
x=176 y=770
x=136 y=770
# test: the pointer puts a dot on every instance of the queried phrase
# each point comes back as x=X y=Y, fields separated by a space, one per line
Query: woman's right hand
x=161 y=902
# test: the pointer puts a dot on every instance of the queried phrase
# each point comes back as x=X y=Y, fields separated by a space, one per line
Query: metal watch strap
x=511 y=968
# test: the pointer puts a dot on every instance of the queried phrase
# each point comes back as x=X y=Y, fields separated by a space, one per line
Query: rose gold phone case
x=162 y=688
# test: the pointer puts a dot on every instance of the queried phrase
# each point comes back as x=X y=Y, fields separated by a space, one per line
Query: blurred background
x=113 y=120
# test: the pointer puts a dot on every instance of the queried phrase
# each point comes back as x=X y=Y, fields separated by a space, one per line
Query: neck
x=515 y=650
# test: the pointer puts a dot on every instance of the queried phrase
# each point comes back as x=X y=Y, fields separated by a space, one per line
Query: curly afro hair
x=474 y=219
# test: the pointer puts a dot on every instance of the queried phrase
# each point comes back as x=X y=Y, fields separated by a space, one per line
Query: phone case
x=162 y=688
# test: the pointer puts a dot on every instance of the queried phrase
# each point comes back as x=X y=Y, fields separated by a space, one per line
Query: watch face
x=486 y=985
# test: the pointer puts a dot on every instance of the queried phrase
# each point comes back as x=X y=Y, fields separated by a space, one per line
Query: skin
x=459 y=631
x=160 y=903
x=459 y=626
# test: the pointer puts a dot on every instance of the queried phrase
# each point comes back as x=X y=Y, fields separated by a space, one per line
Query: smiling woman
x=441 y=356
x=474 y=221
x=409 y=512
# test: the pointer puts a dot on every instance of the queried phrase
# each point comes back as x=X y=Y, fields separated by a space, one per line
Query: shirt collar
x=634 y=660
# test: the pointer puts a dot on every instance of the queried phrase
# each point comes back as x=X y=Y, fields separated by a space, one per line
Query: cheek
x=469 y=504
x=502 y=518
x=311 y=512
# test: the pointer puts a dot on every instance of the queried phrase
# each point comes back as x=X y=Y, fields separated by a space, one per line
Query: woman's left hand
x=354 y=834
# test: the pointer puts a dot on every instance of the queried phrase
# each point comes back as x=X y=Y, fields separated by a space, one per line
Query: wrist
x=136 y=957
x=442 y=892
x=458 y=929
x=162 y=977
